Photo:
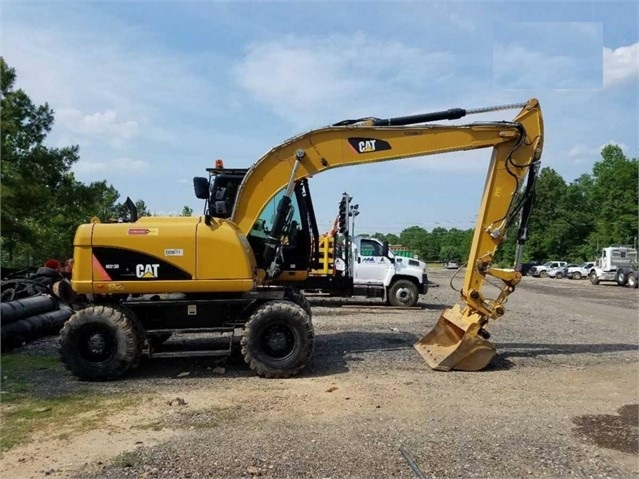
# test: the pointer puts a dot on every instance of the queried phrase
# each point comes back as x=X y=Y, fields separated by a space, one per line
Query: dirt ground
x=559 y=400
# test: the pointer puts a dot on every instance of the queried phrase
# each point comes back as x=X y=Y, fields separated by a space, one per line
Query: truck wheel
x=621 y=278
x=297 y=297
x=403 y=293
x=632 y=280
x=100 y=343
x=543 y=274
x=576 y=275
x=593 y=278
x=277 y=340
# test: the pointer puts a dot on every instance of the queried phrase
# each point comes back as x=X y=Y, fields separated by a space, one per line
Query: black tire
x=593 y=278
x=632 y=280
x=559 y=276
x=403 y=292
x=621 y=277
x=277 y=340
x=576 y=275
x=543 y=274
x=100 y=343
x=297 y=297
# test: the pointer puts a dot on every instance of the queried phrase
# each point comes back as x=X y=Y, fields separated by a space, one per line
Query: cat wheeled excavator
x=235 y=267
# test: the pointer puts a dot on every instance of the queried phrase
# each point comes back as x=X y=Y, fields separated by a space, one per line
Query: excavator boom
x=459 y=340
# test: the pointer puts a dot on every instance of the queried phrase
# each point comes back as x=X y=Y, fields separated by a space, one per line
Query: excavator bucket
x=455 y=343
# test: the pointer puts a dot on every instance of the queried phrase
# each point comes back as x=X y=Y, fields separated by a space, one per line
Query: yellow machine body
x=162 y=255
x=192 y=256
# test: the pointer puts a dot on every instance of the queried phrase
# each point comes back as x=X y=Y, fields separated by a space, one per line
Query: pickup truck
x=541 y=271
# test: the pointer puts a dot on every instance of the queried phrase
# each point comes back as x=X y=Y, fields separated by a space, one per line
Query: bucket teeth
x=456 y=343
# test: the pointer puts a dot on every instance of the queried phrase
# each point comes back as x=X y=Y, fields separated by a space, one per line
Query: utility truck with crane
x=157 y=275
x=342 y=265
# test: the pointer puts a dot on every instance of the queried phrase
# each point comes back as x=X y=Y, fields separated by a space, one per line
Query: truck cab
x=613 y=263
x=378 y=272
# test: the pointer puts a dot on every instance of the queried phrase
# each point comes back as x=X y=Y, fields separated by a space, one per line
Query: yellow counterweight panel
x=212 y=258
x=82 y=274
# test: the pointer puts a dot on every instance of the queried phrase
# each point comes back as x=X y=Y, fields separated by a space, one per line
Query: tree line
x=42 y=201
x=570 y=221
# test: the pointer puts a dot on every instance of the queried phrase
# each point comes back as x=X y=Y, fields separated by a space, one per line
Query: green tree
x=187 y=211
x=613 y=195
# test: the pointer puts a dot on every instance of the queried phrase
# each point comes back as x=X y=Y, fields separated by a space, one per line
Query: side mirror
x=201 y=187
x=385 y=249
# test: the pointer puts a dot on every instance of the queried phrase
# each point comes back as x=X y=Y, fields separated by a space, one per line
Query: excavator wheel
x=277 y=340
x=297 y=297
x=101 y=342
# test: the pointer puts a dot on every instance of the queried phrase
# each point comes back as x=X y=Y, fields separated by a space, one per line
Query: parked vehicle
x=558 y=272
x=613 y=264
x=541 y=271
x=579 y=271
x=451 y=265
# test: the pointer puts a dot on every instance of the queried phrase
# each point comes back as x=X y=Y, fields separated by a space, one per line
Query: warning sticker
x=143 y=231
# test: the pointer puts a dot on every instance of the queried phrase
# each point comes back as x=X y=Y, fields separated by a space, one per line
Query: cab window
x=370 y=248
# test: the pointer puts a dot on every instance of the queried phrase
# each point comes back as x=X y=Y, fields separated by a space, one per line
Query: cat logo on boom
x=147 y=271
x=368 y=145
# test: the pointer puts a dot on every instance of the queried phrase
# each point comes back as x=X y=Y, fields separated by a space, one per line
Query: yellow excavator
x=236 y=266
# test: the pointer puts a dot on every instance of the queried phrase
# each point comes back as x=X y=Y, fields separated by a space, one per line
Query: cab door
x=371 y=267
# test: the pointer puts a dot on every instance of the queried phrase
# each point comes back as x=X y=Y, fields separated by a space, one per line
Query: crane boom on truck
x=210 y=268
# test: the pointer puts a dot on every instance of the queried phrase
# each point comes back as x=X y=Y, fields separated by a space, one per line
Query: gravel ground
x=559 y=400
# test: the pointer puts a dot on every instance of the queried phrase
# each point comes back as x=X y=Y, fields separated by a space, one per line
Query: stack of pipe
x=24 y=320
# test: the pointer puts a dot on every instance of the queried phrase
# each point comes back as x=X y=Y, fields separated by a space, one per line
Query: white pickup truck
x=541 y=271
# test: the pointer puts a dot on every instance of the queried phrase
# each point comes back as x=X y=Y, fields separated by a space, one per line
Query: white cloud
x=620 y=65
x=115 y=167
x=102 y=125
x=299 y=77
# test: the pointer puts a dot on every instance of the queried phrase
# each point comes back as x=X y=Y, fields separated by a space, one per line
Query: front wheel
x=543 y=274
x=632 y=280
x=593 y=278
x=277 y=340
x=297 y=297
x=403 y=292
x=576 y=275
x=101 y=342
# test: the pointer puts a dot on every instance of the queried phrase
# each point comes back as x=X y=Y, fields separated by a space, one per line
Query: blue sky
x=154 y=92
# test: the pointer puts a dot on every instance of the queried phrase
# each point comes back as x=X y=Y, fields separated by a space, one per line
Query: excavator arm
x=459 y=340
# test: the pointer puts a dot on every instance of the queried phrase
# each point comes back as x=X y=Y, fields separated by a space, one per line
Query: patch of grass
x=17 y=374
x=127 y=459
x=22 y=413
x=156 y=425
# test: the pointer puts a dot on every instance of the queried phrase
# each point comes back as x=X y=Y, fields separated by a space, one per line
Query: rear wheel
x=621 y=277
x=632 y=280
x=101 y=342
x=559 y=276
x=277 y=340
x=403 y=292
